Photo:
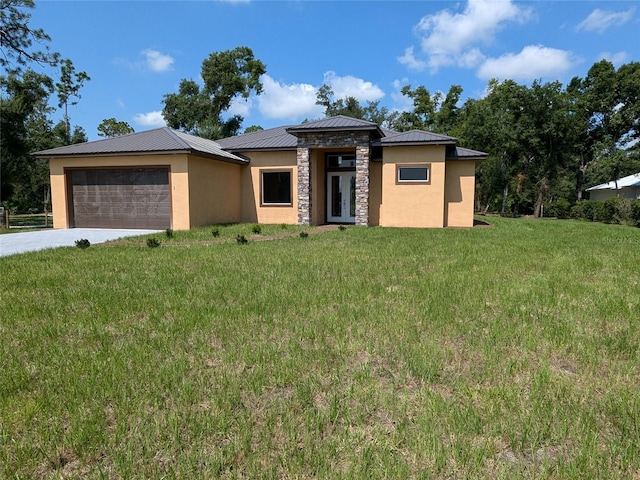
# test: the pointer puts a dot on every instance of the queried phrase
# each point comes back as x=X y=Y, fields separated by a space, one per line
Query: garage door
x=120 y=198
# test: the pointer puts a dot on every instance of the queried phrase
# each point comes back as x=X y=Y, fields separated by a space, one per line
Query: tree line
x=546 y=142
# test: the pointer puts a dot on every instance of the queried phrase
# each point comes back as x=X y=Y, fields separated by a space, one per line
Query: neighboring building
x=335 y=170
x=625 y=187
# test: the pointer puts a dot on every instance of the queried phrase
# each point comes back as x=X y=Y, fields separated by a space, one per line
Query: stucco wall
x=413 y=205
x=178 y=182
x=214 y=192
x=459 y=193
x=375 y=192
x=252 y=210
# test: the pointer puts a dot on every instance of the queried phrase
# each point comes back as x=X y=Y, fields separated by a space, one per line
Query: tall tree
x=23 y=101
x=110 y=127
x=68 y=88
x=17 y=37
x=351 y=107
x=227 y=75
x=433 y=112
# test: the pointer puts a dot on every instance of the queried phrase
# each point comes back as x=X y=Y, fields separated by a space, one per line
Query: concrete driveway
x=12 y=243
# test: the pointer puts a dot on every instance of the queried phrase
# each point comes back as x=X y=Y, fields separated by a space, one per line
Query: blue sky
x=137 y=51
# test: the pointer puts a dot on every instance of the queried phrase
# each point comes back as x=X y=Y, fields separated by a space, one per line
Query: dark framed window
x=413 y=174
x=275 y=187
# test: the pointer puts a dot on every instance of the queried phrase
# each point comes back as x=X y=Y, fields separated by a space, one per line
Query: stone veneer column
x=304 y=186
x=362 y=184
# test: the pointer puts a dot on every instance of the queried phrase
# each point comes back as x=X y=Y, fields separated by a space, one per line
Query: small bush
x=303 y=234
x=257 y=229
x=83 y=243
x=215 y=231
x=561 y=208
x=284 y=226
x=169 y=232
x=635 y=212
x=618 y=210
x=241 y=240
x=342 y=228
x=153 y=242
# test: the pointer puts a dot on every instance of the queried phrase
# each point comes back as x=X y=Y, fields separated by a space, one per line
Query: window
x=413 y=174
x=276 y=187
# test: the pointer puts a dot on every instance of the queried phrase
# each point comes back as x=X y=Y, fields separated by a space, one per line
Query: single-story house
x=625 y=187
x=335 y=170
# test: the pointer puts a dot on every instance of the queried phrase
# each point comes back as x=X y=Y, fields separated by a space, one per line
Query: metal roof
x=624 y=182
x=272 y=138
x=159 y=140
x=337 y=123
x=415 y=137
x=460 y=153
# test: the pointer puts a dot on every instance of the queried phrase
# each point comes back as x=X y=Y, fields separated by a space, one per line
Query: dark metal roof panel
x=270 y=139
x=416 y=137
x=151 y=141
x=461 y=153
x=339 y=122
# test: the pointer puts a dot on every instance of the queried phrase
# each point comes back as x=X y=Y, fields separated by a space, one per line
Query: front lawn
x=504 y=352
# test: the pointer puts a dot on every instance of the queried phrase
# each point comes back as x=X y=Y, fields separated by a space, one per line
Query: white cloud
x=617 y=58
x=240 y=106
x=450 y=38
x=410 y=61
x=601 y=20
x=156 y=61
x=298 y=100
x=150 y=119
x=533 y=62
x=349 y=86
x=287 y=102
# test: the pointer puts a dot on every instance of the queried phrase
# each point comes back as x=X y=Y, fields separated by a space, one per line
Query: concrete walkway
x=12 y=243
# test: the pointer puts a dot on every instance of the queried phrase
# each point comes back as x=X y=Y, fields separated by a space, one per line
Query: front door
x=341 y=197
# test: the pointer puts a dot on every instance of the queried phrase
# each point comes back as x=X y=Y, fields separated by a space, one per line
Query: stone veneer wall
x=304 y=186
x=349 y=139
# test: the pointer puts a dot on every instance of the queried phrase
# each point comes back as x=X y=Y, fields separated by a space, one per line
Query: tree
x=23 y=104
x=17 y=38
x=110 y=127
x=227 y=75
x=436 y=113
x=351 y=107
x=69 y=87
x=253 y=128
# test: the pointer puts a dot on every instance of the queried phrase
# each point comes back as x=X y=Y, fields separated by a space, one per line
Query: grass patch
x=506 y=352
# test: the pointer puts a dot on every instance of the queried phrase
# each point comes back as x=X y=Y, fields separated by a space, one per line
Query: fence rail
x=34 y=220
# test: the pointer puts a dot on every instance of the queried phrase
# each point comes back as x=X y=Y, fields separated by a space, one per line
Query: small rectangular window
x=413 y=174
x=276 y=187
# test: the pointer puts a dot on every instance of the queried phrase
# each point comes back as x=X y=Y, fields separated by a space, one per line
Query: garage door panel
x=121 y=198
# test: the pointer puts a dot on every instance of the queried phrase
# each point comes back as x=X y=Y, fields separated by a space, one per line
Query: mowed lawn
x=504 y=352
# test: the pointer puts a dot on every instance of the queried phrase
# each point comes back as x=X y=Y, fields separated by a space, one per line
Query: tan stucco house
x=335 y=170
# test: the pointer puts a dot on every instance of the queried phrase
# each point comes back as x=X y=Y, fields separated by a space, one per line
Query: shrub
x=257 y=229
x=618 y=210
x=215 y=231
x=303 y=234
x=153 y=242
x=241 y=240
x=342 y=228
x=561 y=208
x=83 y=243
x=635 y=212
x=169 y=232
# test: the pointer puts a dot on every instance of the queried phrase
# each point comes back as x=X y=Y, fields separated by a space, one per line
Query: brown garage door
x=120 y=198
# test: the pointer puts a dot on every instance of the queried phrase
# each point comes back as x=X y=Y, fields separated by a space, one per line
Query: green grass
x=505 y=352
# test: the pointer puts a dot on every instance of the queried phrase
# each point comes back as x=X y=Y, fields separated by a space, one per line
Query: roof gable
x=159 y=140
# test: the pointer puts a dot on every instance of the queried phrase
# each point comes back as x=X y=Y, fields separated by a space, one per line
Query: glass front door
x=341 y=197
